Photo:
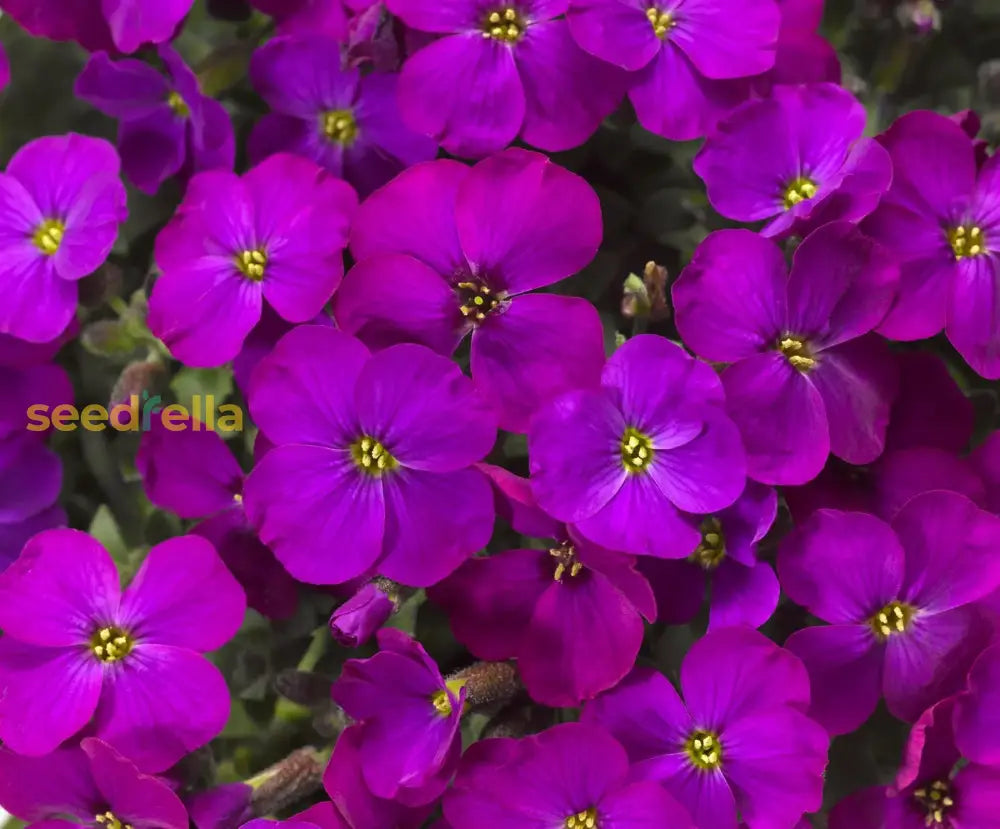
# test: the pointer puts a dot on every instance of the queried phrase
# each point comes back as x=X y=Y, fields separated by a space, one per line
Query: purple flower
x=744 y=591
x=347 y=123
x=802 y=55
x=573 y=775
x=897 y=599
x=622 y=460
x=76 y=648
x=325 y=17
x=931 y=409
x=92 y=785
x=571 y=615
x=737 y=740
x=460 y=249
x=942 y=217
x=167 y=126
x=977 y=712
x=193 y=474
x=803 y=379
x=221 y=807
x=796 y=158
x=276 y=233
x=685 y=54
x=61 y=202
x=372 y=466
x=355 y=621
x=501 y=70
x=409 y=740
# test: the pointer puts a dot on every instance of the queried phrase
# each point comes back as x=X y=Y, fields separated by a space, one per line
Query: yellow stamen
x=704 y=750
x=894 y=618
x=372 y=457
x=442 y=702
x=587 y=819
x=637 y=450
x=799 y=189
x=340 y=126
x=504 y=24
x=111 y=644
x=476 y=300
x=936 y=800
x=661 y=21
x=566 y=561
x=48 y=236
x=967 y=241
x=109 y=821
x=712 y=549
x=797 y=352
x=252 y=263
x=178 y=104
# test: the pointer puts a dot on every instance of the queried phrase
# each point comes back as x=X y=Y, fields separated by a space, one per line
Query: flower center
x=504 y=24
x=442 y=702
x=252 y=263
x=637 y=450
x=967 y=241
x=587 y=819
x=712 y=550
x=339 y=126
x=111 y=644
x=799 y=189
x=661 y=21
x=936 y=800
x=891 y=619
x=797 y=352
x=372 y=457
x=565 y=556
x=476 y=300
x=48 y=236
x=704 y=750
x=178 y=104
x=109 y=821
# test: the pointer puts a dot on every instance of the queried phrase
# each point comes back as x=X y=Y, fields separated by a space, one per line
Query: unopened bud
x=488 y=683
x=919 y=16
x=288 y=781
x=646 y=295
x=356 y=620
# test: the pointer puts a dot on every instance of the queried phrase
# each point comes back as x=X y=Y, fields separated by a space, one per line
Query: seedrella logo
x=139 y=414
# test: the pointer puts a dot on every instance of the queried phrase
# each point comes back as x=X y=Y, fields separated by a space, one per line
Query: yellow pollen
x=476 y=300
x=111 y=644
x=799 y=189
x=967 y=241
x=339 y=126
x=504 y=24
x=178 y=104
x=587 y=819
x=372 y=457
x=252 y=264
x=441 y=701
x=661 y=21
x=109 y=821
x=48 y=236
x=892 y=619
x=566 y=561
x=704 y=750
x=797 y=352
x=937 y=800
x=637 y=450
x=712 y=549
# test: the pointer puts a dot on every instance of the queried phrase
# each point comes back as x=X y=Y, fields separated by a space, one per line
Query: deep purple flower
x=324 y=17
x=931 y=409
x=687 y=54
x=372 y=465
x=168 y=127
x=221 y=807
x=737 y=740
x=355 y=621
x=276 y=233
x=622 y=460
x=347 y=123
x=977 y=711
x=897 y=599
x=75 y=647
x=457 y=249
x=942 y=217
x=501 y=69
x=409 y=741
x=92 y=785
x=61 y=202
x=797 y=158
x=193 y=474
x=573 y=775
x=802 y=54
x=743 y=590
x=804 y=379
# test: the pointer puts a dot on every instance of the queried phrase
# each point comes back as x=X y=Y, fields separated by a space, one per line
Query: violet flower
x=802 y=55
x=355 y=621
x=75 y=648
x=324 y=17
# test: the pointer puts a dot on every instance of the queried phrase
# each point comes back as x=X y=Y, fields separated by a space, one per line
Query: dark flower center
x=894 y=618
x=936 y=800
x=476 y=300
x=48 y=236
x=799 y=189
x=505 y=24
x=797 y=352
x=704 y=750
x=178 y=104
x=661 y=21
x=109 y=821
x=967 y=241
x=566 y=561
x=587 y=819
x=340 y=126
x=712 y=549
x=372 y=457
x=252 y=263
x=637 y=450
x=111 y=644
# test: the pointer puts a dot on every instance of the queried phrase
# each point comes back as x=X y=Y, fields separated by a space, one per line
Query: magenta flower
x=797 y=159
x=92 y=785
x=324 y=17
x=803 y=379
x=501 y=70
x=461 y=248
x=621 y=461
x=347 y=123
x=686 y=54
x=573 y=775
x=977 y=715
x=168 y=127
x=276 y=233
x=897 y=599
x=355 y=621
x=372 y=466
x=409 y=740
x=75 y=648
x=802 y=55
x=735 y=739
x=942 y=218
x=62 y=202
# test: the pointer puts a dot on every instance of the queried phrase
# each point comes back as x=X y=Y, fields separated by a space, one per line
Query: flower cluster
x=492 y=552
